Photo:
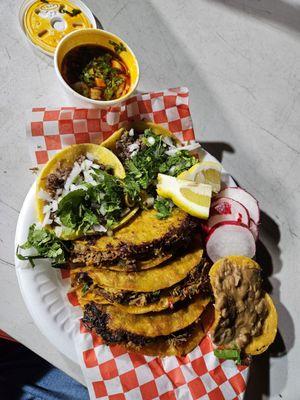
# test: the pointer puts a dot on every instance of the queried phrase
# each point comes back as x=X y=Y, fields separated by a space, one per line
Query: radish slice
x=225 y=209
x=254 y=229
x=230 y=238
x=245 y=198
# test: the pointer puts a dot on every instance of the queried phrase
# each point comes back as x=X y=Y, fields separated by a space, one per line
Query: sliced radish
x=230 y=238
x=225 y=209
x=245 y=198
x=254 y=229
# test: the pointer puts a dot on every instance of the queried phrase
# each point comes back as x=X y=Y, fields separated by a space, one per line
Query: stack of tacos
x=146 y=286
x=137 y=261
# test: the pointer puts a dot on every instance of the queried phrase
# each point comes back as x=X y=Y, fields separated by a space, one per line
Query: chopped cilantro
x=118 y=47
x=101 y=204
x=46 y=245
x=143 y=167
x=85 y=288
x=163 y=207
x=229 y=354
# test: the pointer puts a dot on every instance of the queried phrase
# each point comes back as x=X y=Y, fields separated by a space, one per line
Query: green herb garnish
x=229 y=354
x=163 y=207
x=118 y=47
x=102 y=204
x=85 y=288
x=142 y=169
x=47 y=245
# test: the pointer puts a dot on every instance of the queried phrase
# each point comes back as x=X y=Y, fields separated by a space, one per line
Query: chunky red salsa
x=96 y=72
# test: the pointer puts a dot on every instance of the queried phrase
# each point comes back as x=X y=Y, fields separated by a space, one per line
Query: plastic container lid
x=46 y=22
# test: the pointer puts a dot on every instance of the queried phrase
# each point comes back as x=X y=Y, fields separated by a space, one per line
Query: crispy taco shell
x=155 y=324
x=260 y=343
x=163 y=348
x=152 y=279
x=143 y=238
x=177 y=343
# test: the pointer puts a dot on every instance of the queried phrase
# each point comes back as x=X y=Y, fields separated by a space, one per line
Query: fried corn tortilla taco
x=179 y=343
x=143 y=238
x=152 y=279
x=245 y=316
x=171 y=337
x=141 y=265
x=76 y=189
x=195 y=282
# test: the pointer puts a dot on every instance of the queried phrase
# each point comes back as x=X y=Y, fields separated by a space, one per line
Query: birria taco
x=155 y=289
x=171 y=332
x=78 y=192
x=245 y=316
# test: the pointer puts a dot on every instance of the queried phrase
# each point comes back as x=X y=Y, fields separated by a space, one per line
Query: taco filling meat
x=96 y=318
x=142 y=239
x=196 y=282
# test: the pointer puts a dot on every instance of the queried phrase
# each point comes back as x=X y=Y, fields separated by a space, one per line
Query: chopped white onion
x=151 y=140
x=132 y=147
x=58 y=231
x=73 y=174
x=149 y=201
x=133 y=153
x=168 y=141
x=99 y=228
x=87 y=177
x=90 y=156
x=131 y=132
x=44 y=195
x=47 y=220
x=95 y=166
x=57 y=221
x=189 y=147
x=46 y=208
x=86 y=165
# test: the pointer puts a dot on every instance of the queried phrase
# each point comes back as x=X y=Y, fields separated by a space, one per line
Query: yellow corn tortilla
x=155 y=324
x=152 y=279
x=260 y=343
x=136 y=233
x=139 y=126
x=66 y=158
x=159 y=260
x=163 y=348
x=162 y=304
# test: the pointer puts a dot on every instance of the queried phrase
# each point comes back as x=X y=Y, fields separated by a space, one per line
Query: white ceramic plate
x=42 y=289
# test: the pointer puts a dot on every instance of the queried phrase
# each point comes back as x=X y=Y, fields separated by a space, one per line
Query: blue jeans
x=26 y=376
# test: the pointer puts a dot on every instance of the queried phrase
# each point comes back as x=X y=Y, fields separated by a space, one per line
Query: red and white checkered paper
x=110 y=371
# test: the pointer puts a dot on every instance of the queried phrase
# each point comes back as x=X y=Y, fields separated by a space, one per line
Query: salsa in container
x=96 y=67
x=96 y=72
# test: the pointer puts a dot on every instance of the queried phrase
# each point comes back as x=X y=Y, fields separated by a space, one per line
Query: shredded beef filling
x=57 y=179
x=95 y=318
x=196 y=281
x=126 y=254
x=127 y=145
